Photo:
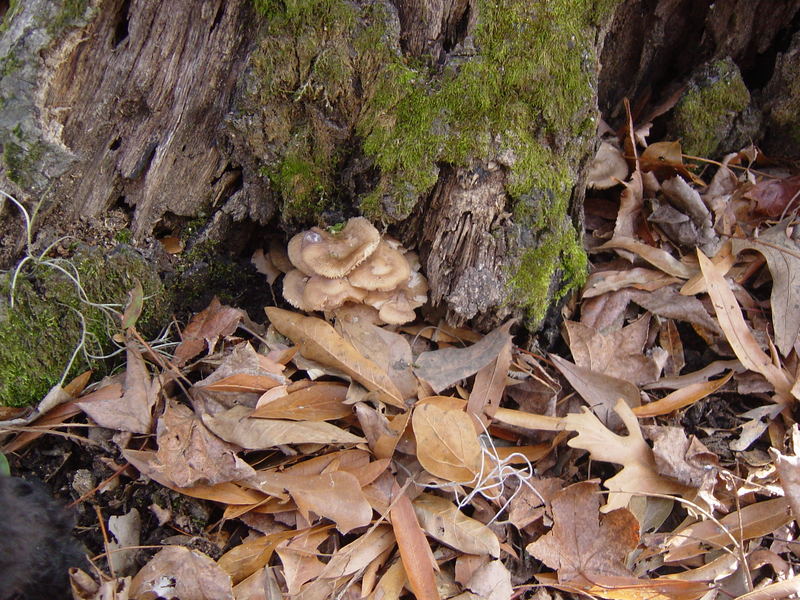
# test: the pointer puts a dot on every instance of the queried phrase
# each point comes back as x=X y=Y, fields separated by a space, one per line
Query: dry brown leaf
x=783 y=259
x=492 y=581
x=600 y=391
x=243 y=560
x=602 y=282
x=583 y=544
x=418 y=561
x=244 y=370
x=382 y=433
x=618 y=353
x=631 y=201
x=681 y=398
x=132 y=411
x=447 y=366
x=358 y=554
x=490 y=384
x=789 y=473
x=205 y=329
x=178 y=572
x=639 y=472
x=321 y=401
x=336 y=496
x=754 y=521
x=299 y=559
x=442 y=520
x=669 y=303
x=447 y=445
x=737 y=333
x=189 y=454
x=318 y=341
x=236 y=426
x=389 y=350
x=225 y=493
x=655 y=256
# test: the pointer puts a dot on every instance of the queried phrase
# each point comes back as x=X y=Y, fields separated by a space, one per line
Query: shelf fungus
x=354 y=273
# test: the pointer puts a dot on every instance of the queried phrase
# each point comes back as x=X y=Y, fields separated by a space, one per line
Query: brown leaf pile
x=657 y=461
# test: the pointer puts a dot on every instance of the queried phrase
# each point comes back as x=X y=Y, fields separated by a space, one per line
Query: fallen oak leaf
x=681 y=398
x=639 y=472
x=318 y=341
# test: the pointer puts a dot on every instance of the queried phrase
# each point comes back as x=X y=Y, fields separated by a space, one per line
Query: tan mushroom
x=352 y=312
x=322 y=293
x=335 y=254
x=397 y=310
x=294 y=253
x=385 y=270
x=279 y=257
x=294 y=283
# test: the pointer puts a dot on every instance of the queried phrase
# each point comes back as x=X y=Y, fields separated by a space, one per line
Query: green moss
x=124 y=236
x=39 y=334
x=71 y=11
x=14 y=7
x=9 y=63
x=333 y=75
x=705 y=114
x=20 y=161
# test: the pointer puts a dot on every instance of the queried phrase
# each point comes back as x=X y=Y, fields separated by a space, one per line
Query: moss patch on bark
x=39 y=334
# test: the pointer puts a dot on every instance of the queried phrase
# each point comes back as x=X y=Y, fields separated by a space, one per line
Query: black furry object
x=36 y=543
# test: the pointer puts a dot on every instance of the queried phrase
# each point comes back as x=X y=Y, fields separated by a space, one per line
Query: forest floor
x=651 y=454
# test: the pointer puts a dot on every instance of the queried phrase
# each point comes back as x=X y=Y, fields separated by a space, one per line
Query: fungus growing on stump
x=354 y=267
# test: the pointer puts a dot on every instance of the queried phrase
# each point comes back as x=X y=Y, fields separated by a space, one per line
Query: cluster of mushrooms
x=354 y=273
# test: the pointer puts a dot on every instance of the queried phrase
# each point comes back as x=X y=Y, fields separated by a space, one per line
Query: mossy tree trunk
x=464 y=126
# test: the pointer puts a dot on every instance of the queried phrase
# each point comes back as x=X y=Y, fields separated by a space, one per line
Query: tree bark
x=249 y=114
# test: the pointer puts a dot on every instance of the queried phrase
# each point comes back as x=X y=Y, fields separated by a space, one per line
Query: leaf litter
x=653 y=455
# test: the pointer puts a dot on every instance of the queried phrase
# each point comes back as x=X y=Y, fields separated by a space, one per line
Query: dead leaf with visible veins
x=583 y=544
x=443 y=520
x=205 y=329
x=189 y=454
x=617 y=353
x=639 y=471
x=178 y=572
x=320 y=401
x=236 y=426
x=415 y=552
x=244 y=370
x=133 y=410
x=447 y=445
x=299 y=558
x=318 y=341
x=492 y=581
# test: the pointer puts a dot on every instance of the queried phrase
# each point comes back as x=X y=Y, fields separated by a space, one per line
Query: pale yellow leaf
x=442 y=520
x=447 y=445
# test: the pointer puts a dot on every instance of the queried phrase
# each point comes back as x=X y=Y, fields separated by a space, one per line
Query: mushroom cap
x=385 y=270
x=351 y=312
x=334 y=255
x=322 y=293
x=293 y=251
x=608 y=168
x=294 y=284
x=397 y=310
x=416 y=290
x=279 y=257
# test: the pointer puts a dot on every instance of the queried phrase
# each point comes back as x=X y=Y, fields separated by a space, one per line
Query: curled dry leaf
x=447 y=445
x=323 y=401
x=205 y=329
x=415 y=553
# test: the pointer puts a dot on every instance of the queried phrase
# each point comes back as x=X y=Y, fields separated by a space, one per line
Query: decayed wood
x=138 y=98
